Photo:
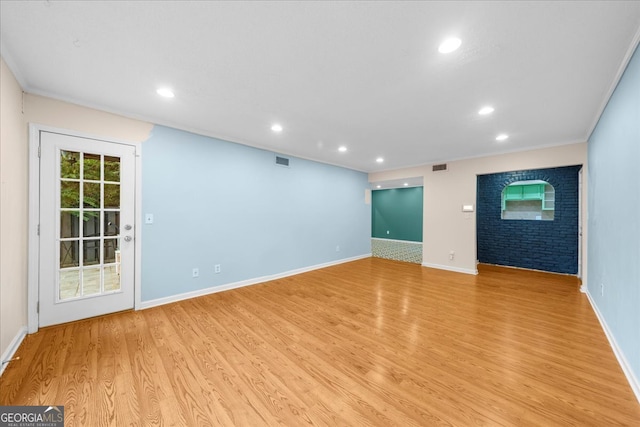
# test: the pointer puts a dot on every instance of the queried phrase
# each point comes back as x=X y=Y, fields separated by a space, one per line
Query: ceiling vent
x=282 y=161
x=440 y=167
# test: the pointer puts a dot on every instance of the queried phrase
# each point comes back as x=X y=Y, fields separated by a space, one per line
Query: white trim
x=243 y=283
x=137 y=272
x=13 y=347
x=8 y=59
x=626 y=368
x=614 y=84
x=34 y=214
x=580 y=222
x=33 y=262
x=449 y=268
x=394 y=240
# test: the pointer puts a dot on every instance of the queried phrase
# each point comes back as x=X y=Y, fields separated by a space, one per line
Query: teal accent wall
x=217 y=202
x=614 y=216
x=398 y=211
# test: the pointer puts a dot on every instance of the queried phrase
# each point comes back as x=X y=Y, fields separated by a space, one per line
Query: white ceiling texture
x=364 y=75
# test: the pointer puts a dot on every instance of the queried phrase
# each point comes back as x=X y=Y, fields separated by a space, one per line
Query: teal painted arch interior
x=397 y=214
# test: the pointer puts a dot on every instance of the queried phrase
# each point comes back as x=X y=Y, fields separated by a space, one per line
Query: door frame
x=580 y=251
x=33 y=266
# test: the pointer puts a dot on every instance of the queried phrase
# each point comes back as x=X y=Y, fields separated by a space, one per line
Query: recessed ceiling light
x=406 y=184
x=342 y=149
x=502 y=137
x=449 y=45
x=165 y=92
x=379 y=160
x=486 y=110
x=378 y=186
x=276 y=127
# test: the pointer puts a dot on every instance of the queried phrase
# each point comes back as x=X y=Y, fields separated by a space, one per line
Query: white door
x=87 y=193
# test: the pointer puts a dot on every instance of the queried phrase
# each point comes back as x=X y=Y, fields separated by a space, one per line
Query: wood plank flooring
x=372 y=342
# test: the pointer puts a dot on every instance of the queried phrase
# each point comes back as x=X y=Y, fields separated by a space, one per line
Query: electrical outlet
x=195 y=272
x=337 y=248
x=452 y=254
x=217 y=268
x=601 y=289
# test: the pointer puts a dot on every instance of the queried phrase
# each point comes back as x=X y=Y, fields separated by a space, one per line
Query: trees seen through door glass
x=89 y=218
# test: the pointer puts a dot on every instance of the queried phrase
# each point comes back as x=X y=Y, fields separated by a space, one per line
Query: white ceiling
x=366 y=75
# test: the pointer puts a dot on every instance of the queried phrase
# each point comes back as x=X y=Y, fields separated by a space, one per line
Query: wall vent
x=282 y=161
x=440 y=167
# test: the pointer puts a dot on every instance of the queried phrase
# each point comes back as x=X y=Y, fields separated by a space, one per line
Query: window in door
x=89 y=224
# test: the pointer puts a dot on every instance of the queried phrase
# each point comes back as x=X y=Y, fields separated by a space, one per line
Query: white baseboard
x=13 y=347
x=214 y=289
x=626 y=368
x=450 y=268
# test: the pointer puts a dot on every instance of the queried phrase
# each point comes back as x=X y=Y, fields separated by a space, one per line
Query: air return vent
x=282 y=161
x=440 y=167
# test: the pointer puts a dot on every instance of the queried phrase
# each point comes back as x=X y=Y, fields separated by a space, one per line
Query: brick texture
x=540 y=245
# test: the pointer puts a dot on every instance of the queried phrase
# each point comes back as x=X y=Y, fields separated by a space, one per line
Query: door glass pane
x=69 y=164
x=91 y=252
x=112 y=278
x=110 y=249
x=111 y=223
x=91 y=281
x=91 y=195
x=69 y=254
x=112 y=169
x=112 y=196
x=69 y=224
x=69 y=194
x=69 y=284
x=92 y=166
x=91 y=224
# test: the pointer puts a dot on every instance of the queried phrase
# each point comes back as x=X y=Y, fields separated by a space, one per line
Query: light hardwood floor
x=371 y=342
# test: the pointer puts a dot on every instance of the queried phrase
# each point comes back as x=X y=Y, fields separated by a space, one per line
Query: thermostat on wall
x=467 y=208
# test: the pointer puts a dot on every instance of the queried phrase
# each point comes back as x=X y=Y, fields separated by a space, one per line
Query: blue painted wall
x=216 y=202
x=397 y=211
x=614 y=215
x=540 y=245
